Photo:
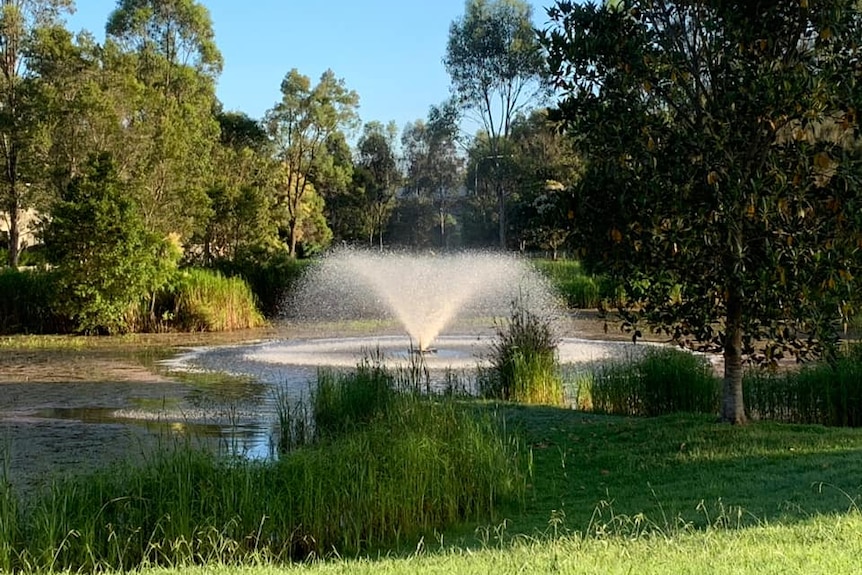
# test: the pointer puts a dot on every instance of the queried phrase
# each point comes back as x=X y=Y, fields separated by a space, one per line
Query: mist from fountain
x=425 y=293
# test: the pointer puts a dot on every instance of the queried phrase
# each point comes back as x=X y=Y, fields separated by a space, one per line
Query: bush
x=524 y=365
x=271 y=275
x=105 y=259
x=27 y=302
x=823 y=393
x=663 y=381
x=579 y=289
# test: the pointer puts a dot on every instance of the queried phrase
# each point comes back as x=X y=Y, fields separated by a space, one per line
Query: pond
x=64 y=410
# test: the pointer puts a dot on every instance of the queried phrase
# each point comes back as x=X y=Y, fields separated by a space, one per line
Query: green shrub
x=271 y=276
x=823 y=393
x=524 y=366
x=105 y=259
x=663 y=381
x=27 y=302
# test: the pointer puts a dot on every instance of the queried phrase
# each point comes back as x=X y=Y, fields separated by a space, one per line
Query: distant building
x=28 y=223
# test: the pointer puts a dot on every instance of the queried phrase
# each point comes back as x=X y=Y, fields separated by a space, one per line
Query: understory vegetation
x=664 y=381
x=579 y=289
x=189 y=300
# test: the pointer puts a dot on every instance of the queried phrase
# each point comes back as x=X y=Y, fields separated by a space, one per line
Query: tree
x=723 y=166
x=242 y=194
x=495 y=62
x=105 y=259
x=20 y=20
x=545 y=170
x=434 y=169
x=376 y=155
x=300 y=126
x=166 y=63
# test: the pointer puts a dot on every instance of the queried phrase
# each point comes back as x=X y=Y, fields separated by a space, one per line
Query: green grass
x=823 y=546
x=579 y=289
x=607 y=494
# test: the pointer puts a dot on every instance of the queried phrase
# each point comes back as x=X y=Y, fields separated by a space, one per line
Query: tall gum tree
x=20 y=20
x=722 y=181
x=300 y=126
x=169 y=128
x=495 y=64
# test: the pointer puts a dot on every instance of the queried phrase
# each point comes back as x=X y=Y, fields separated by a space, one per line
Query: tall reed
x=824 y=393
x=524 y=366
x=407 y=466
x=662 y=381
x=203 y=300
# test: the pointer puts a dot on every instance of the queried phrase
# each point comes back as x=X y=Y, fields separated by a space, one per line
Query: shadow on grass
x=682 y=470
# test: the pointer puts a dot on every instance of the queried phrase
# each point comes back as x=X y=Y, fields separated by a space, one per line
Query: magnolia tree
x=722 y=166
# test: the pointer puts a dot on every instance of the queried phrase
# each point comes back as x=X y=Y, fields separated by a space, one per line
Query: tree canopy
x=722 y=180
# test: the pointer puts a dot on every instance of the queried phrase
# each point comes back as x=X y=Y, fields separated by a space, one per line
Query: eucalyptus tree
x=434 y=170
x=241 y=193
x=496 y=66
x=300 y=125
x=168 y=125
x=377 y=156
x=722 y=180
x=20 y=22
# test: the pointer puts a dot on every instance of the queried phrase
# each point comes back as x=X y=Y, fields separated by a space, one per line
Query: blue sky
x=389 y=51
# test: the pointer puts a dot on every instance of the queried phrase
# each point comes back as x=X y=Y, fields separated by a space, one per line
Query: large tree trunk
x=14 y=232
x=732 y=402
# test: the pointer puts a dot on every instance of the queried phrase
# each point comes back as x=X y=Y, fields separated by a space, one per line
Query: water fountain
x=423 y=293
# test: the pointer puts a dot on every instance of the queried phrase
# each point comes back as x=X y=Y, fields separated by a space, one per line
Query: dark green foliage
x=720 y=142
x=828 y=393
x=105 y=259
x=524 y=365
x=662 y=382
x=26 y=302
x=270 y=274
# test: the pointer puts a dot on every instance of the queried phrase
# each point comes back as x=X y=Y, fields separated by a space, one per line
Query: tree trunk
x=732 y=402
x=291 y=225
x=14 y=232
x=501 y=209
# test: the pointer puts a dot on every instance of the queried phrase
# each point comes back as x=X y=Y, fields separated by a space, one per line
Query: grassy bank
x=606 y=491
x=820 y=546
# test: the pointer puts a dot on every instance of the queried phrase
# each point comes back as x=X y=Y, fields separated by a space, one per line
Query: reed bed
x=406 y=466
x=827 y=393
x=524 y=366
x=663 y=381
x=204 y=300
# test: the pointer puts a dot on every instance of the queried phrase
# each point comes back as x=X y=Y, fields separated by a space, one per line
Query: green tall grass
x=203 y=300
x=824 y=393
x=405 y=468
x=524 y=366
x=579 y=289
x=26 y=302
x=663 y=381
